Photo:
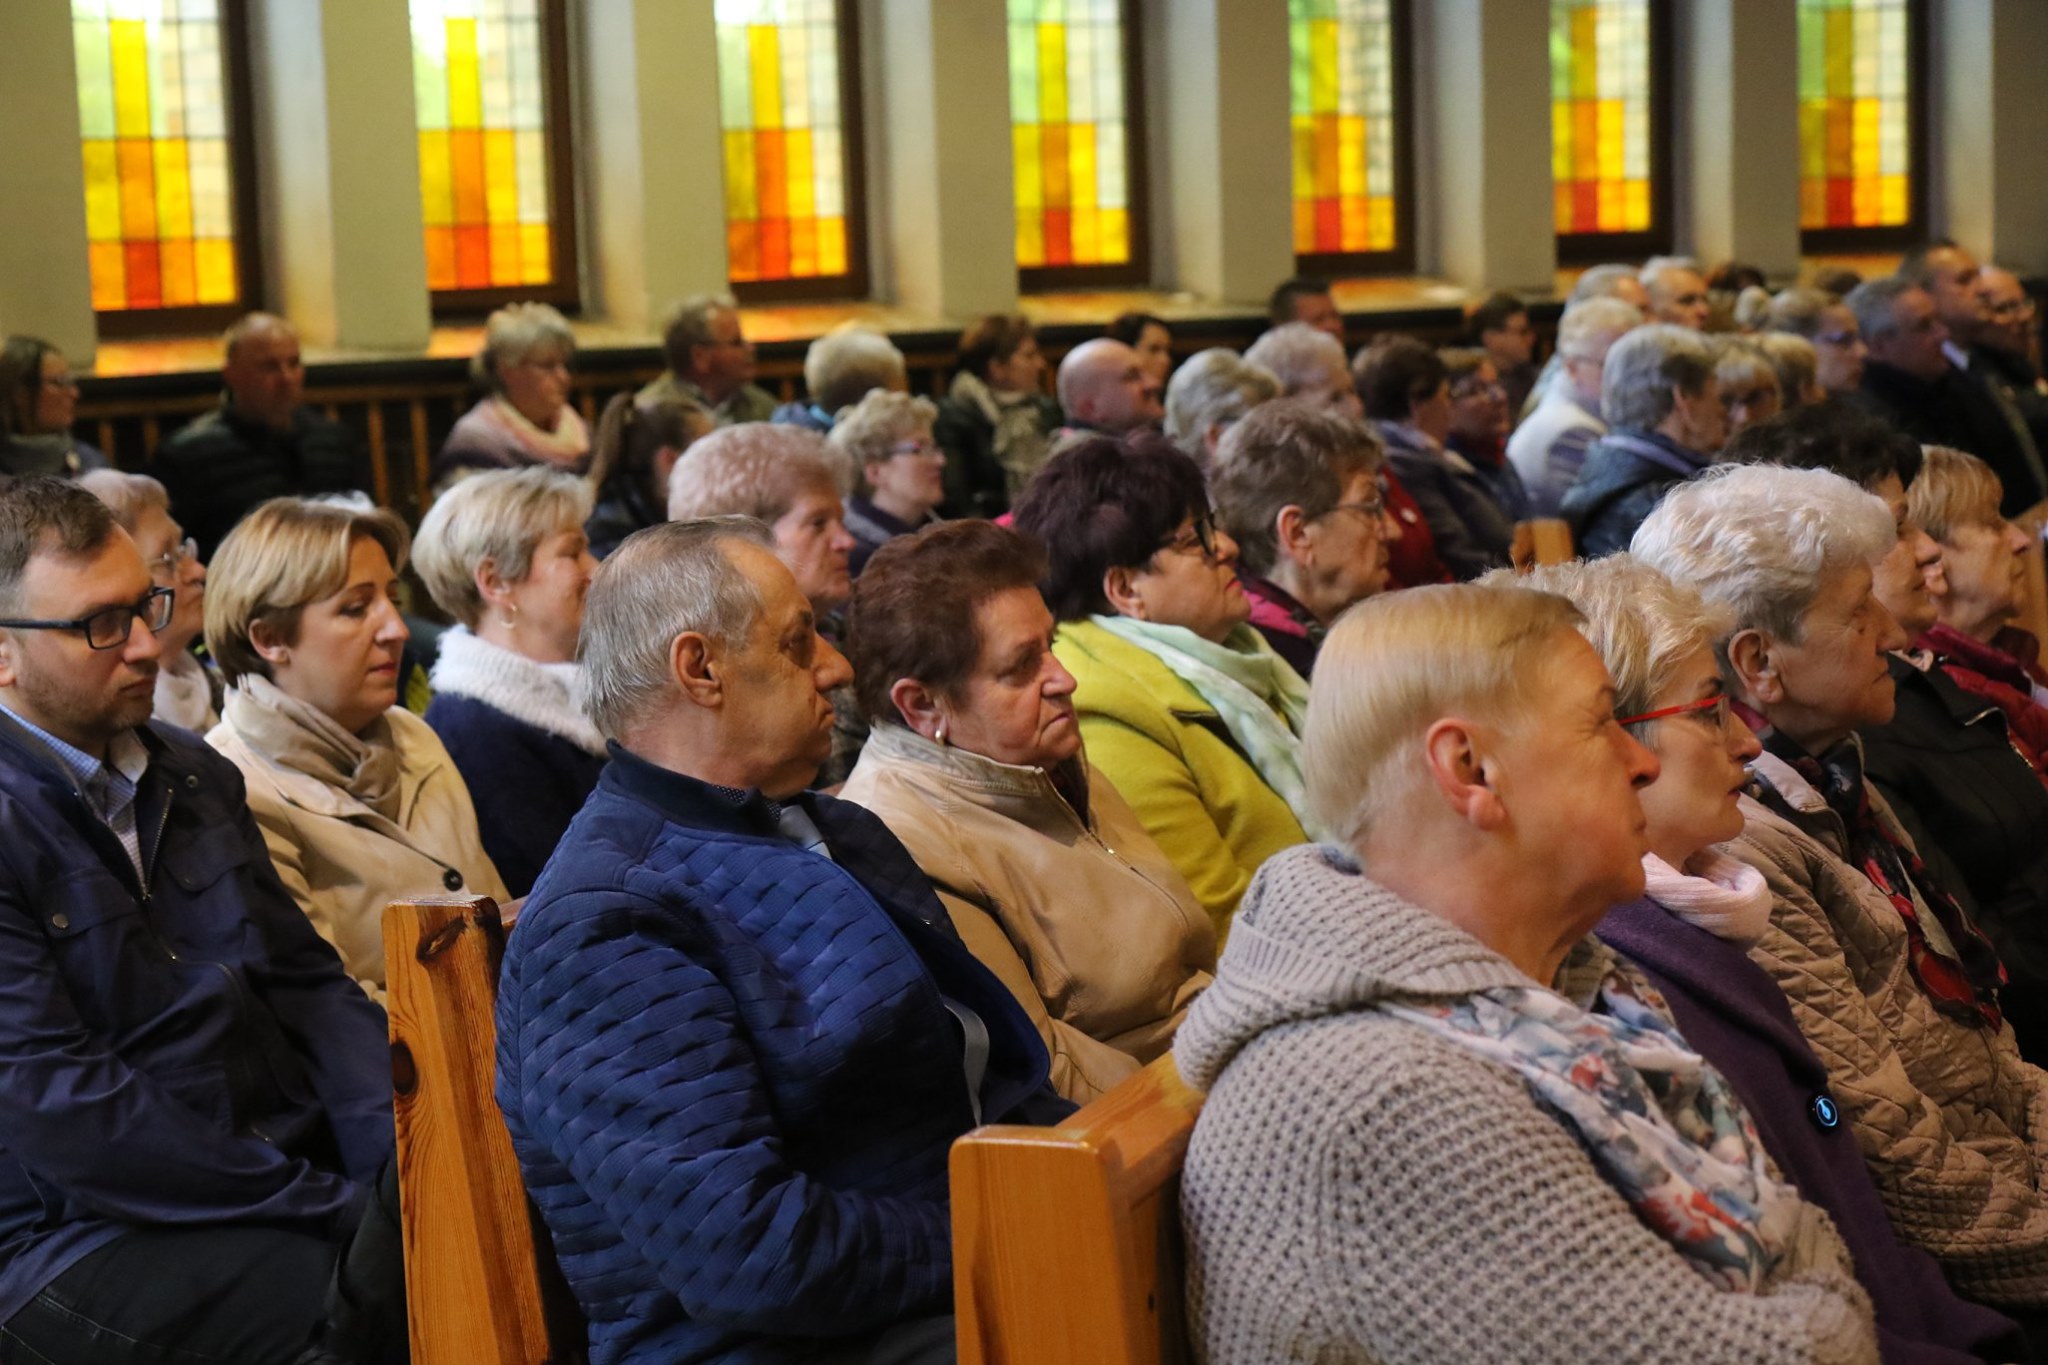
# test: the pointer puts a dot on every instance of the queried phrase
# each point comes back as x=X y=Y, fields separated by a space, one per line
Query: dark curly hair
x=1105 y=504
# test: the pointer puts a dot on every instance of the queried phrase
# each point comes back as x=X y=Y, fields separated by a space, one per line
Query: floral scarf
x=1020 y=441
x=1661 y=1125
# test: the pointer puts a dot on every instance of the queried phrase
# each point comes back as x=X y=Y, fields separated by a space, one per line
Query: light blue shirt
x=109 y=785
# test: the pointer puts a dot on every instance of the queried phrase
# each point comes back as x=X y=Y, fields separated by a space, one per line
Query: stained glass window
x=786 y=212
x=480 y=89
x=1855 y=124
x=1069 y=132
x=1343 y=126
x=1600 y=115
x=152 y=105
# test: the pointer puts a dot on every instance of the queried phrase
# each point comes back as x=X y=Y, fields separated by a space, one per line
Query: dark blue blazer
x=731 y=1076
x=527 y=784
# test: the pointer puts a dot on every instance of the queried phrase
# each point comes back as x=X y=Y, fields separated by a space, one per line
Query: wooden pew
x=1541 y=541
x=481 y=1283
x=1066 y=1240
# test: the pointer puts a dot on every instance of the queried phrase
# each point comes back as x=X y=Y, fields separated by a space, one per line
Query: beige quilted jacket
x=1949 y=1117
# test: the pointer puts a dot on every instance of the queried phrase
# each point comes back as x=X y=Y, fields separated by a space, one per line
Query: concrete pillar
x=45 y=270
x=1483 y=140
x=337 y=151
x=1736 y=106
x=1221 y=153
x=1989 y=124
x=945 y=227
x=653 y=176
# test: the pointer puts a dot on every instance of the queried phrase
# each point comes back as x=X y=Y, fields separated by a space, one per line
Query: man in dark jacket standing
x=737 y=1033
x=261 y=442
x=195 y=1102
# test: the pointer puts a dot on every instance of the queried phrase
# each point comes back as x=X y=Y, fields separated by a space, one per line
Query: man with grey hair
x=839 y=370
x=1311 y=368
x=2008 y=348
x=737 y=1033
x=1105 y=391
x=1610 y=282
x=262 y=442
x=1677 y=292
x=710 y=361
x=1911 y=381
x=1659 y=394
x=1551 y=443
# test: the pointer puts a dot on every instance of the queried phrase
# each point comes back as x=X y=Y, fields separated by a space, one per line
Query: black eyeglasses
x=111 y=627
x=1202 y=535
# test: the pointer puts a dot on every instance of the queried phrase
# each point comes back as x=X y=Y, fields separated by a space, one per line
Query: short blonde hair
x=1954 y=489
x=1798 y=364
x=285 y=555
x=515 y=332
x=1396 y=663
x=501 y=515
x=866 y=431
x=1644 y=625
x=127 y=495
x=754 y=469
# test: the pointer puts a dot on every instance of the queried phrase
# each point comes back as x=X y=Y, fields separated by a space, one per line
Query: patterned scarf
x=1963 y=986
x=1663 y=1127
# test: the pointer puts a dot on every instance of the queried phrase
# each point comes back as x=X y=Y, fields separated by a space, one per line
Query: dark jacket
x=1962 y=410
x=871 y=529
x=223 y=464
x=2021 y=384
x=731 y=1075
x=1288 y=626
x=976 y=483
x=186 y=1054
x=1625 y=476
x=624 y=505
x=1735 y=1016
x=527 y=784
x=1473 y=533
x=1954 y=780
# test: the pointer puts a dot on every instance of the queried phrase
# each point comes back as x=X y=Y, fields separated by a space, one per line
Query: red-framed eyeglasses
x=1717 y=704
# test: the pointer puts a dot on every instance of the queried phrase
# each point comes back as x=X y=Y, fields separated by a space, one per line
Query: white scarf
x=184 y=696
x=549 y=697
x=1716 y=892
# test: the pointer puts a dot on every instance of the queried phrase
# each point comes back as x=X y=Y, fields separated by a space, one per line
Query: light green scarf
x=1257 y=694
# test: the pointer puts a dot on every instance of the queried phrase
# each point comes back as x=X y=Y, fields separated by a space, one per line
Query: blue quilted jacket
x=731 y=1078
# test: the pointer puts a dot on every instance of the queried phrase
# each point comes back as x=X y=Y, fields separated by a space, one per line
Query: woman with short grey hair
x=839 y=369
x=1662 y=402
x=1748 y=378
x=505 y=554
x=525 y=417
x=1891 y=983
x=887 y=438
x=1826 y=321
x=1209 y=392
x=189 y=690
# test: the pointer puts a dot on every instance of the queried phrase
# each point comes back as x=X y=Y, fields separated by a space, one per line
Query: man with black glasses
x=195 y=1106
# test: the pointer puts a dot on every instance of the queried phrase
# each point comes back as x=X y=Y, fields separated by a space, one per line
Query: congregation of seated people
x=1630 y=952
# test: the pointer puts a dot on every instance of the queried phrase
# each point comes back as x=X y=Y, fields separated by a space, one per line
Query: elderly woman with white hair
x=1891 y=983
x=839 y=369
x=1551 y=442
x=525 y=416
x=1748 y=379
x=188 y=690
x=1660 y=396
x=1701 y=910
x=1211 y=391
x=505 y=554
x=1424 y=1078
x=887 y=438
x=1310 y=365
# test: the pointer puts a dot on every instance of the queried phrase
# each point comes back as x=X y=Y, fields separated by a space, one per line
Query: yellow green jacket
x=1173 y=761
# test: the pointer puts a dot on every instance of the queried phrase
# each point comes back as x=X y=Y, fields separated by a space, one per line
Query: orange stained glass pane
x=1067 y=115
x=1855 y=112
x=151 y=106
x=1600 y=111
x=482 y=113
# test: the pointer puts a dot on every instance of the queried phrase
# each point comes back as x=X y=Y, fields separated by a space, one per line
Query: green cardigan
x=1170 y=757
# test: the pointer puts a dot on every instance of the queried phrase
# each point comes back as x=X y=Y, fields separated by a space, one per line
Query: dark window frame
x=1400 y=258
x=1897 y=237
x=196 y=319
x=1137 y=271
x=1593 y=248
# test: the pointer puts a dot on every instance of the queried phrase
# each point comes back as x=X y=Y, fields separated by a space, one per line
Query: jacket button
x=1826 y=1113
x=191 y=782
x=452 y=879
x=60 y=920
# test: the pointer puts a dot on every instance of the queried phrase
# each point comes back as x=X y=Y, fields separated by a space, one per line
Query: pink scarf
x=1716 y=892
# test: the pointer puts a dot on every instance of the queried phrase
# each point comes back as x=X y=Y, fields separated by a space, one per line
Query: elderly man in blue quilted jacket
x=736 y=1031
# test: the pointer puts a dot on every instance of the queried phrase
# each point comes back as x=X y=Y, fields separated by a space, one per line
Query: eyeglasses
x=1838 y=338
x=1478 y=388
x=111 y=627
x=915 y=448
x=175 y=558
x=1713 y=709
x=1372 y=509
x=2011 y=308
x=63 y=382
x=1201 y=535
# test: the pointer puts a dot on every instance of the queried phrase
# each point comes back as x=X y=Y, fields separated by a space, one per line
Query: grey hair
x=500 y=515
x=1644 y=625
x=1600 y=282
x=1298 y=355
x=689 y=324
x=1752 y=306
x=1761 y=540
x=1799 y=310
x=1740 y=358
x=1658 y=265
x=1211 y=388
x=865 y=432
x=1645 y=366
x=1793 y=356
x=842 y=365
x=126 y=495
x=660 y=583
x=1874 y=301
x=1601 y=318
x=753 y=469
x=515 y=332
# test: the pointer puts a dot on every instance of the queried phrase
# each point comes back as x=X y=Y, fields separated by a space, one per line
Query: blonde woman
x=887 y=438
x=357 y=800
x=525 y=416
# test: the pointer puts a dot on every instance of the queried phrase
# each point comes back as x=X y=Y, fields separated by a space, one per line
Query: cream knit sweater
x=1358 y=1190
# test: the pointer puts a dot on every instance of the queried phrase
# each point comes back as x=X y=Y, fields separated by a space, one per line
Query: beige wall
x=45 y=274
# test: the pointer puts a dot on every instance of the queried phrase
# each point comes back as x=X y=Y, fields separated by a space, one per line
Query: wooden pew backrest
x=481 y=1284
x=1066 y=1240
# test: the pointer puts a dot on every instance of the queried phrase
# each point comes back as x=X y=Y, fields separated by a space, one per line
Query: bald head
x=263 y=369
x=1103 y=384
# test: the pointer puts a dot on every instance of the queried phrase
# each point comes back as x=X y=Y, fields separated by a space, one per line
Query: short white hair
x=514 y=333
x=1587 y=329
x=754 y=469
x=867 y=432
x=1645 y=367
x=842 y=365
x=1298 y=355
x=500 y=515
x=127 y=495
x=1213 y=387
x=1763 y=540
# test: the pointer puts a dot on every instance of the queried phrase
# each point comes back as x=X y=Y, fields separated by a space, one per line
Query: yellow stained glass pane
x=1068 y=131
x=1854 y=114
x=1343 y=102
x=1600 y=78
